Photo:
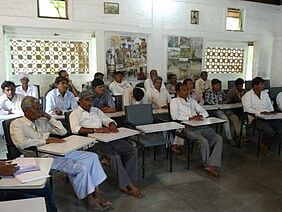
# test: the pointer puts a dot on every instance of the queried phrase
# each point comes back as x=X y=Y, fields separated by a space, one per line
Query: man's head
x=24 y=79
x=239 y=84
x=9 y=89
x=158 y=83
x=153 y=74
x=189 y=83
x=63 y=73
x=258 y=84
x=85 y=100
x=138 y=94
x=182 y=90
x=62 y=84
x=31 y=108
x=216 y=85
x=99 y=75
x=204 y=75
x=98 y=87
x=172 y=78
x=118 y=76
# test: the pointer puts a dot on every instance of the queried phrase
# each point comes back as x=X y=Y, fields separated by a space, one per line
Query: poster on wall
x=128 y=54
x=184 y=56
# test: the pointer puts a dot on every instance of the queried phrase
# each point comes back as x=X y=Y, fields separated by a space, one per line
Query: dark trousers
x=13 y=194
x=271 y=130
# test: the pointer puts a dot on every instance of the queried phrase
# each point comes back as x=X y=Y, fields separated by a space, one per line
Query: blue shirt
x=55 y=100
x=106 y=100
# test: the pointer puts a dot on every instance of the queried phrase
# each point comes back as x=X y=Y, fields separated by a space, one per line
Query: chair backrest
x=43 y=103
x=248 y=85
x=38 y=89
x=274 y=91
x=139 y=114
x=13 y=151
x=67 y=119
x=118 y=102
x=231 y=84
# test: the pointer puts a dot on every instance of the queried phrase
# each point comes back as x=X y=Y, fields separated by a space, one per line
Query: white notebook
x=26 y=165
x=31 y=176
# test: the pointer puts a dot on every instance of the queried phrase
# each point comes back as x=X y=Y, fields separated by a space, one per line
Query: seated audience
x=102 y=98
x=26 y=89
x=149 y=82
x=194 y=93
x=10 y=102
x=203 y=83
x=184 y=108
x=119 y=154
x=71 y=87
x=215 y=96
x=7 y=169
x=138 y=96
x=235 y=94
x=170 y=86
x=83 y=168
x=60 y=99
x=257 y=101
x=157 y=96
x=88 y=85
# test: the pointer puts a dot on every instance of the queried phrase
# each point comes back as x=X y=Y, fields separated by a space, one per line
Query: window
x=224 y=60
x=52 y=9
x=234 y=19
x=48 y=56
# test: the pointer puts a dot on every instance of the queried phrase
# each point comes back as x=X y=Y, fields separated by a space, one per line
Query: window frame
x=66 y=11
x=241 y=20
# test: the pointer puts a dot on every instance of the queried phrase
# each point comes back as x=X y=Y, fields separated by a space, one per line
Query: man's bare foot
x=212 y=171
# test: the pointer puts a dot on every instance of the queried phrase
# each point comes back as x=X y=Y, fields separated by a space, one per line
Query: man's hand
x=54 y=140
x=196 y=118
x=58 y=111
x=102 y=130
x=45 y=115
x=113 y=127
x=7 y=169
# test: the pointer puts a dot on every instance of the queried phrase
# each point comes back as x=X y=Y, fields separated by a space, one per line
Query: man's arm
x=50 y=106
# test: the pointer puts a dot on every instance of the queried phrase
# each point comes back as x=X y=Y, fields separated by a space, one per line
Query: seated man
x=185 y=108
x=257 y=101
x=157 y=96
x=83 y=168
x=148 y=83
x=60 y=100
x=71 y=87
x=138 y=95
x=121 y=155
x=88 y=85
x=10 y=102
x=7 y=169
x=25 y=89
x=170 y=86
x=102 y=98
x=203 y=83
x=215 y=96
x=194 y=93
x=235 y=94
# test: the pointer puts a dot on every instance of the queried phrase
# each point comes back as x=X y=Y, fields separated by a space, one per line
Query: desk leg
x=170 y=157
x=188 y=154
x=143 y=162
x=259 y=141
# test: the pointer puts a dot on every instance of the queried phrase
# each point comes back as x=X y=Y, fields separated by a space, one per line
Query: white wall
x=153 y=18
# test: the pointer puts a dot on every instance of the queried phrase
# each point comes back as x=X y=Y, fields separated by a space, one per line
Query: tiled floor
x=246 y=183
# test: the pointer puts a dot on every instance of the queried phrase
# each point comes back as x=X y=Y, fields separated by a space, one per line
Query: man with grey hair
x=83 y=168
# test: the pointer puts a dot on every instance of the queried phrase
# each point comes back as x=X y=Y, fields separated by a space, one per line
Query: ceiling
x=275 y=2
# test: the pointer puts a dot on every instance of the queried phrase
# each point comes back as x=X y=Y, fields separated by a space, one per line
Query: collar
x=27 y=121
x=58 y=93
x=5 y=98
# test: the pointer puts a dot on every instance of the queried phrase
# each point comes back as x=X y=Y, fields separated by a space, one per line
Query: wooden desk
x=73 y=143
x=108 y=137
x=205 y=122
x=270 y=117
x=159 y=127
x=11 y=183
x=24 y=205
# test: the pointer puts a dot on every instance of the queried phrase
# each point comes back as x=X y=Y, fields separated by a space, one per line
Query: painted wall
x=157 y=18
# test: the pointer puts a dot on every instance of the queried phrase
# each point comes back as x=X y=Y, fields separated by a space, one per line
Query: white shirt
x=93 y=119
x=13 y=106
x=279 y=101
x=157 y=98
x=201 y=86
x=25 y=133
x=119 y=88
x=253 y=104
x=182 y=110
x=148 y=83
x=32 y=90
x=54 y=99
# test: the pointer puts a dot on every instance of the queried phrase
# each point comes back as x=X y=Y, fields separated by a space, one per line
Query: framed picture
x=52 y=9
x=111 y=8
x=194 y=17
